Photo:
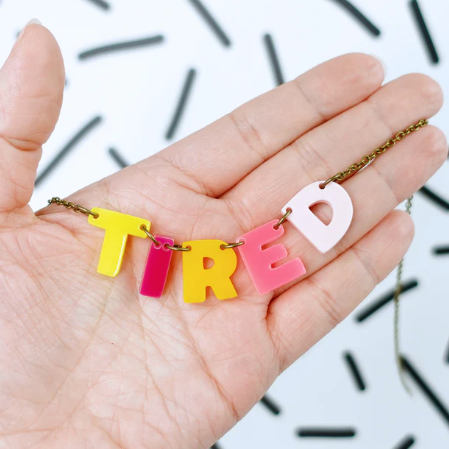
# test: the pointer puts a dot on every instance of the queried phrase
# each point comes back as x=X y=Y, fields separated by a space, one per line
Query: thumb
x=31 y=90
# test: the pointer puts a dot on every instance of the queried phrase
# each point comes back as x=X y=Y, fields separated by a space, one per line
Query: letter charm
x=156 y=269
x=197 y=278
x=305 y=221
x=117 y=226
x=260 y=262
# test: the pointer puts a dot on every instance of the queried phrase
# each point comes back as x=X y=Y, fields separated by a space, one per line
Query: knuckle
x=363 y=257
x=240 y=213
x=326 y=301
x=310 y=154
x=249 y=134
x=308 y=89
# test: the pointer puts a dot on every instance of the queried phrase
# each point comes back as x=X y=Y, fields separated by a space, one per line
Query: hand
x=86 y=361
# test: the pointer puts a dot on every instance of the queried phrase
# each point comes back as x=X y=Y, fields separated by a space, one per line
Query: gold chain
x=397 y=294
x=339 y=177
x=354 y=168
x=75 y=207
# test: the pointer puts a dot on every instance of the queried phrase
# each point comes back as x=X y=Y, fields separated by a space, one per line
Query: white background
x=136 y=92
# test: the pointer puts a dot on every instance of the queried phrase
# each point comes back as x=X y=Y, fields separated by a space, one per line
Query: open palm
x=88 y=362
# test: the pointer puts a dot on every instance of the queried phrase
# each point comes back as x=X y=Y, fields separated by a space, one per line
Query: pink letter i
x=156 y=269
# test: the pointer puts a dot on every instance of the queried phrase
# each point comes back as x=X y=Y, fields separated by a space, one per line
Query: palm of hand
x=86 y=358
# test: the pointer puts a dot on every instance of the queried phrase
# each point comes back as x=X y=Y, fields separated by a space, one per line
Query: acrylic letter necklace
x=261 y=249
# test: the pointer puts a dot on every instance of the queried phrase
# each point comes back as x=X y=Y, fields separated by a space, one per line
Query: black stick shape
x=447 y=354
x=67 y=149
x=432 y=196
x=315 y=432
x=359 y=16
x=441 y=250
x=215 y=446
x=406 y=443
x=270 y=405
x=181 y=104
x=274 y=61
x=384 y=300
x=424 y=30
x=101 y=4
x=355 y=371
x=426 y=389
x=205 y=14
x=121 y=46
x=118 y=158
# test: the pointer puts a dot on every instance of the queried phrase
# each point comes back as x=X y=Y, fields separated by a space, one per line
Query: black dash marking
x=384 y=300
x=181 y=104
x=355 y=371
x=425 y=388
x=314 y=432
x=274 y=61
x=406 y=443
x=425 y=34
x=67 y=148
x=270 y=405
x=118 y=158
x=215 y=446
x=361 y=18
x=441 y=250
x=211 y=22
x=101 y=4
x=432 y=196
x=121 y=46
x=447 y=355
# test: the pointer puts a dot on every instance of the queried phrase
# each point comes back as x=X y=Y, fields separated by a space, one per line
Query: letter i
x=156 y=269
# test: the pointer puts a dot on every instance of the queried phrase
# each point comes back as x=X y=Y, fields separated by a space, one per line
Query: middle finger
x=333 y=146
x=393 y=177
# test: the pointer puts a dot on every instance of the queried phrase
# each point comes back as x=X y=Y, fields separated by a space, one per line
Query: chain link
x=75 y=207
x=283 y=219
x=397 y=295
x=232 y=245
x=150 y=236
x=339 y=177
x=354 y=168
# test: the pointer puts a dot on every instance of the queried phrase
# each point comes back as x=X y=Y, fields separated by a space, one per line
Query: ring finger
x=315 y=156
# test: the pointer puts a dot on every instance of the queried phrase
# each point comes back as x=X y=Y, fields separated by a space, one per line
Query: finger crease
x=250 y=136
x=322 y=117
x=326 y=301
x=365 y=264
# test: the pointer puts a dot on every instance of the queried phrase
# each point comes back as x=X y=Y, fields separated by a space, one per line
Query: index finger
x=223 y=153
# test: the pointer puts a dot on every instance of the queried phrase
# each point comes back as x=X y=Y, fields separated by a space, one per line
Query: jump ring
x=283 y=219
x=325 y=183
x=151 y=236
x=338 y=177
x=86 y=211
x=232 y=245
x=177 y=247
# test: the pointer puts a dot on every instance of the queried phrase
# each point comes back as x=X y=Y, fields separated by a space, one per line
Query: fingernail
x=34 y=22
x=384 y=66
x=31 y=22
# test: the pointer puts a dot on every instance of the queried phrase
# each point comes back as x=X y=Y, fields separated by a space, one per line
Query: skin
x=87 y=362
